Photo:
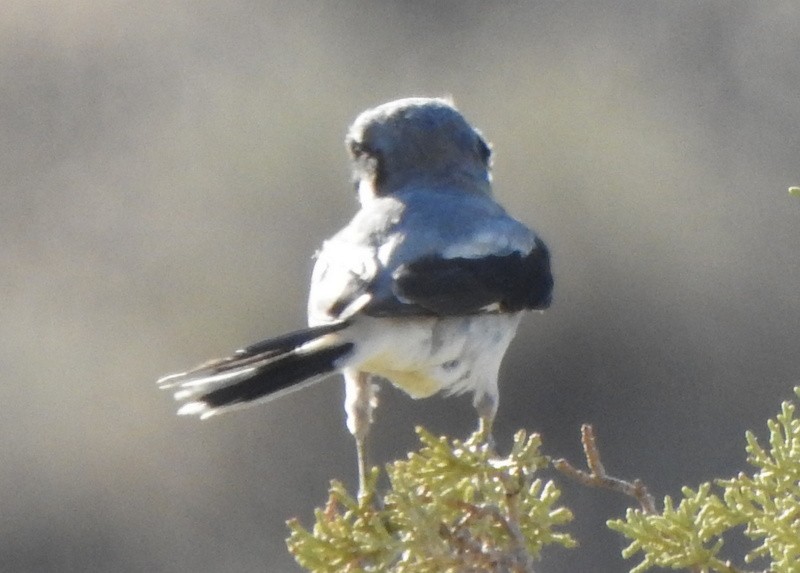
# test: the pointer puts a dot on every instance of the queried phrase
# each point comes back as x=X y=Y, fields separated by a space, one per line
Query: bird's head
x=417 y=142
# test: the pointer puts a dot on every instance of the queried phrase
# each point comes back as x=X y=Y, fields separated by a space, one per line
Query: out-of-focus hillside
x=168 y=169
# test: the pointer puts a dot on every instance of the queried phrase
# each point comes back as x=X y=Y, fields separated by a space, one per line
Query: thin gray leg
x=360 y=400
x=486 y=405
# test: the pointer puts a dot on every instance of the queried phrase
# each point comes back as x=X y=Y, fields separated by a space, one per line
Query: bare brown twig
x=597 y=476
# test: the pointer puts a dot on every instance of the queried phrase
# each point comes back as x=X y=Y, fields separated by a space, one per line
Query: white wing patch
x=485 y=243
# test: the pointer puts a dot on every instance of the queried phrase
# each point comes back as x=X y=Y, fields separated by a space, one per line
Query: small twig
x=597 y=476
x=472 y=555
x=519 y=559
x=473 y=512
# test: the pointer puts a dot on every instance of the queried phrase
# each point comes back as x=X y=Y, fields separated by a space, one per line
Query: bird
x=424 y=287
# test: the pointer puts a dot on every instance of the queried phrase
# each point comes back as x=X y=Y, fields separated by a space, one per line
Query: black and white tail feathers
x=262 y=371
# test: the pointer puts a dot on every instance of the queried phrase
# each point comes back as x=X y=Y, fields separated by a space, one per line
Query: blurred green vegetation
x=452 y=506
x=766 y=504
x=457 y=506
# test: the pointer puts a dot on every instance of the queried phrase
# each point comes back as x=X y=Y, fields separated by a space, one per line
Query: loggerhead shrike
x=424 y=287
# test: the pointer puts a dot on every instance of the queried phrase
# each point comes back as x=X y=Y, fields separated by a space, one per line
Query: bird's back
x=356 y=268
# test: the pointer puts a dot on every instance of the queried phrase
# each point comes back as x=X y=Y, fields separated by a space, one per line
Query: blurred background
x=168 y=169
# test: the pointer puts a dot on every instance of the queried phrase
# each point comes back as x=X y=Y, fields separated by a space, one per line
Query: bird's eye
x=484 y=150
x=367 y=162
x=357 y=148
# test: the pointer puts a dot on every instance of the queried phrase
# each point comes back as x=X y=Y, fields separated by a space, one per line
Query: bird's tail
x=262 y=371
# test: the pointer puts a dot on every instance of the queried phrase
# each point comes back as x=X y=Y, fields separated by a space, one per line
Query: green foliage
x=453 y=506
x=767 y=504
x=457 y=506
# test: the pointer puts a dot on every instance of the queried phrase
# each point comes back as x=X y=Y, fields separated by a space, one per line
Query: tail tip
x=200 y=409
x=169 y=379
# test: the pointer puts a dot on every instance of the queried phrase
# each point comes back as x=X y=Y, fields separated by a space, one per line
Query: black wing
x=456 y=286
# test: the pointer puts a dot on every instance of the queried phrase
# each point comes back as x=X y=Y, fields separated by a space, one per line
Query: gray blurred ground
x=167 y=169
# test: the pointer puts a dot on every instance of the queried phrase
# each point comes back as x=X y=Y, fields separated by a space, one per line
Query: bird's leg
x=486 y=405
x=360 y=400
